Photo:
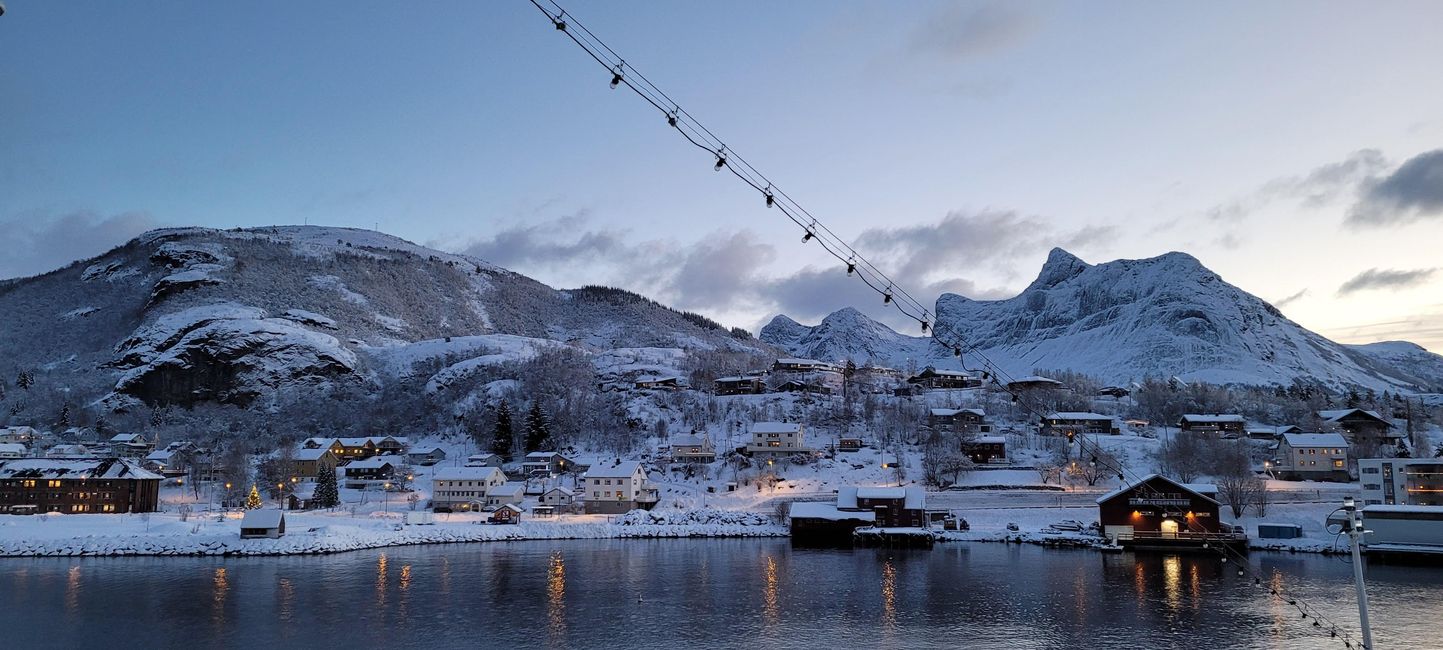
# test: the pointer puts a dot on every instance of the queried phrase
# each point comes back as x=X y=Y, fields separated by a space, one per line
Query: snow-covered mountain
x=192 y=315
x=1125 y=320
x=845 y=334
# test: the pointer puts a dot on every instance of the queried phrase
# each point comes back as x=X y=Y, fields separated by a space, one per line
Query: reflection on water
x=556 y=599
x=504 y=594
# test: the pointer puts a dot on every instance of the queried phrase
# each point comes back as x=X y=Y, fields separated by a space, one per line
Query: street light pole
x=1355 y=533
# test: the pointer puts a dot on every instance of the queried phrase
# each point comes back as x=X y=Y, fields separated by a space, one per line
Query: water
x=698 y=593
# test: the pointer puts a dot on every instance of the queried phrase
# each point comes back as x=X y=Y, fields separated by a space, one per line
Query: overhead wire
x=857 y=264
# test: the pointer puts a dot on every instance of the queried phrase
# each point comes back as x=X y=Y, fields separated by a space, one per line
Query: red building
x=1158 y=511
x=93 y=485
x=892 y=507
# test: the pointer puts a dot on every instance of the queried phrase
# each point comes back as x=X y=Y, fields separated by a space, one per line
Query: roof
x=465 y=473
x=912 y=496
x=624 y=470
x=374 y=462
x=823 y=510
x=12 y=447
x=944 y=413
x=312 y=454
x=1034 y=379
x=776 y=427
x=1378 y=508
x=734 y=380
x=422 y=451
x=1315 y=440
x=507 y=489
x=562 y=489
x=160 y=455
x=688 y=441
x=509 y=506
x=993 y=440
x=117 y=468
x=1214 y=418
x=1336 y=415
x=795 y=361
x=1185 y=486
x=542 y=455
x=263 y=519
x=127 y=437
x=1078 y=415
x=1202 y=488
x=481 y=456
x=847 y=496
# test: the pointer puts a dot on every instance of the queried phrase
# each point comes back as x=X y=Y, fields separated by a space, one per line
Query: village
x=1077 y=478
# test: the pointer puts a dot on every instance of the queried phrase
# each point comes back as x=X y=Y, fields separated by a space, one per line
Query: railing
x=1180 y=535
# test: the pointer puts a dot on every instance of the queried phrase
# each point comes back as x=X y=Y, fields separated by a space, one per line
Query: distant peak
x=1060 y=267
x=782 y=320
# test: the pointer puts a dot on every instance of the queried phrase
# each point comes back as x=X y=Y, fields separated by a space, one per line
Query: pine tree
x=63 y=422
x=503 y=436
x=25 y=380
x=253 y=500
x=327 y=495
x=538 y=428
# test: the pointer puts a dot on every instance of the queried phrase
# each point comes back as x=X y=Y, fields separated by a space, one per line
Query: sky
x=1295 y=148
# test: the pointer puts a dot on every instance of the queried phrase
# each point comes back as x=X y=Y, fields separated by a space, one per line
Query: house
x=1312 y=457
x=19 y=435
x=361 y=473
x=739 y=386
x=311 y=462
x=891 y=507
x=802 y=365
x=1258 y=432
x=774 y=439
x=1072 y=422
x=75 y=486
x=548 y=463
x=1401 y=481
x=12 y=450
x=512 y=493
x=174 y=460
x=302 y=497
x=1360 y=426
x=483 y=460
x=958 y=421
x=692 y=449
x=618 y=488
x=1409 y=532
x=933 y=378
x=1228 y=426
x=263 y=524
x=1033 y=382
x=426 y=456
x=986 y=450
x=356 y=448
x=1158 y=512
x=506 y=513
x=849 y=444
x=69 y=451
x=559 y=498
x=823 y=523
x=806 y=387
x=130 y=445
x=662 y=382
x=463 y=488
x=1117 y=392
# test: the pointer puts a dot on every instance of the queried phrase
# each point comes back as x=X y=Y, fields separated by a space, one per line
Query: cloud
x=36 y=242
x=1290 y=299
x=961 y=32
x=1425 y=329
x=1319 y=187
x=1385 y=279
x=1411 y=193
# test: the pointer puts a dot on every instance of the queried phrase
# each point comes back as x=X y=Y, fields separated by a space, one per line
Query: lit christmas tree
x=253 y=500
x=327 y=495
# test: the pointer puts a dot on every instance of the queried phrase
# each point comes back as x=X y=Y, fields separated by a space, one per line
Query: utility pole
x=1355 y=533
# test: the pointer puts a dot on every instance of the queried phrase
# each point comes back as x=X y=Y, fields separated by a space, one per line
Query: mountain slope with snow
x=845 y=334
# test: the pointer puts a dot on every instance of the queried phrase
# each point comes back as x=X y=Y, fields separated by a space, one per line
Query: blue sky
x=1286 y=145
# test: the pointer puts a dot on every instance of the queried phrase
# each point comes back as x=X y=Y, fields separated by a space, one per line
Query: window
x=1370 y=470
x=30 y=483
x=1337 y=463
x=1372 y=486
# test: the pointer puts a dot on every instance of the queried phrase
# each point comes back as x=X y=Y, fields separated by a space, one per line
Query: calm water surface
x=698 y=593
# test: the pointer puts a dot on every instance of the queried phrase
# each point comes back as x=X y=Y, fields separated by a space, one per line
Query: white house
x=618 y=488
x=21 y=435
x=426 y=456
x=777 y=439
x=69 y=451
x=506 y=493
x=463 y=488
x=692 y=449
x=558 y=497
x=483 y=460
x=130 y=445
x=1401 y=481
x=263 y=523
x=1312 y=456
x=13 y=450
x=548 y=462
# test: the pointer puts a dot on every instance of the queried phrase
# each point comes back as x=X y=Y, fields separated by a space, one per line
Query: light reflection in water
x=889 y=595
x=381 y=580
x=288 y=599
x=72 y=590
x=220 y=586
x=770 y=611
x=556 y=599
x=1172 y=581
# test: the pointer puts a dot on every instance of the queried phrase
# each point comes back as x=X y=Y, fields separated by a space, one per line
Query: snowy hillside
x=846 y=334
x=192 y=315
x=1407 y=359
x=1163 y=316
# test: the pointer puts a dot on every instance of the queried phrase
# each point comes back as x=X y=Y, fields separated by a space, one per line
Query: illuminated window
x=30 y=483
x=52 y=483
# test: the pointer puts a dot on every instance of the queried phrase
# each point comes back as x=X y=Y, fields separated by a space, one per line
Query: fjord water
x=699 y=593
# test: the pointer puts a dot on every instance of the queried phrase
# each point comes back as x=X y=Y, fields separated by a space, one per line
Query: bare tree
x=1182 y=458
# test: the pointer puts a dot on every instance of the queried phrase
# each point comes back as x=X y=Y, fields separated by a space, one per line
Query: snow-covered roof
x=776 y=427
x=1214 y=418
x=624 y=470
x=1379 y=508
x=509 y=506
x=160 y=455
x=68 y=450
x=847 y=496
x=1338 y=414
x=1315 y=440
x=262 y=519
x=1202 y=488
x=541 y=455
x=823 y=510
x=466 y=473
x=733 y=380
x=688 y=441
x=651 y=379
x=912 y=496
x=947 y=413
x=75 y=469
x=1185 y=486
x=991 y=440
x=1078 y=415
x=482 y=457
x=795 y=361
x=424 y=451
x=312 y=454
x=507 y=489
x=562 y=489
x=374 y=462
x=1034 y=379
x=127 y=437
x=12 y=448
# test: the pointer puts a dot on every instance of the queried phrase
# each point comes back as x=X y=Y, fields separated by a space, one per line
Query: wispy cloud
x=1424 y=328
x=1321 y=186
x=1290 y=299
x=39 y=242
x=1413 y=192
x=959 y=31
x=1386 y=279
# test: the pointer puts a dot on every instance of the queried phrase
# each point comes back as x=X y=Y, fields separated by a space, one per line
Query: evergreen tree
x=503 y=436
x=63 y=422
x=538 y=427
x=253 y=500
x=327 y=495
x=25 y=380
